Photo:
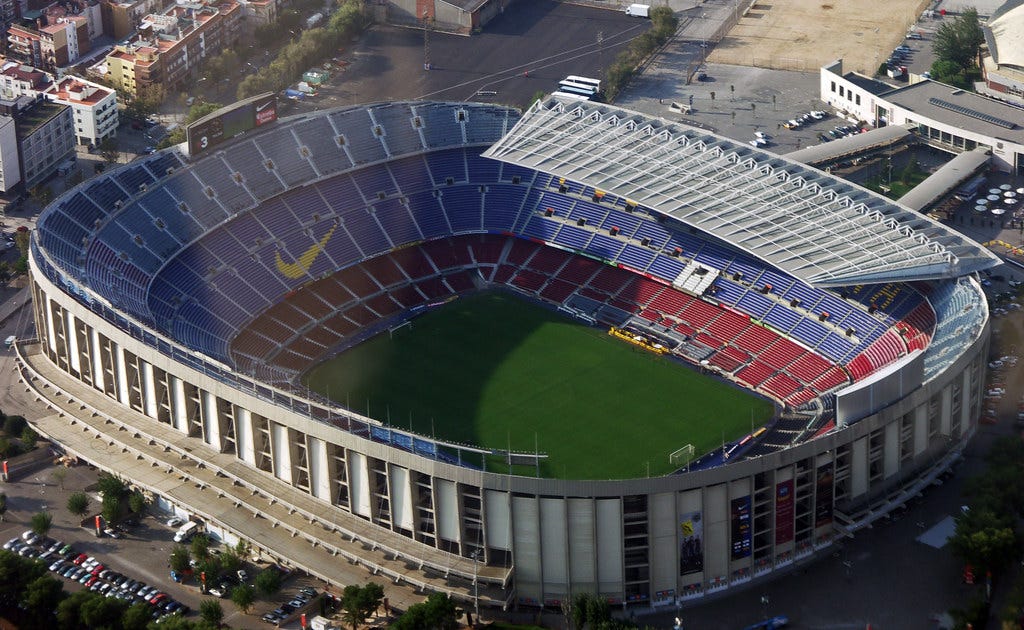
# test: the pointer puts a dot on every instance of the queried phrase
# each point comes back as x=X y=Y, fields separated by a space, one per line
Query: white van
x=9 y=342
x=187 y=531
x=639 y=10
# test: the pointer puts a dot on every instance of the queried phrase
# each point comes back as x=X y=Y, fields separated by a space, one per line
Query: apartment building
x=168 y=49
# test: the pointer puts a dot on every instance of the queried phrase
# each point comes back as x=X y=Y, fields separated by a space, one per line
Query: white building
x=94 y=108
x=10 y=166
x=945 y=116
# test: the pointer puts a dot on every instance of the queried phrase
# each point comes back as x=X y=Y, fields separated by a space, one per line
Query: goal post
x=392 y=330
x=681 y=457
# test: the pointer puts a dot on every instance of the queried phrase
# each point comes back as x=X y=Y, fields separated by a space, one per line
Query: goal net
x=681 y=457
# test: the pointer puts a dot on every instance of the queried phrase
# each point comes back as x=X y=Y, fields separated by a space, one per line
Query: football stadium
x=511 y=355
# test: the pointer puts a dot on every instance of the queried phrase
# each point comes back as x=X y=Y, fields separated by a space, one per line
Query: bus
x=595 y=83
x=569 y=95
x=585 y=93
x=565 y=83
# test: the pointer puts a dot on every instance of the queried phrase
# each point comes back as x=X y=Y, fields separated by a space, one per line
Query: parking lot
x=521 y=53
x=135 y=566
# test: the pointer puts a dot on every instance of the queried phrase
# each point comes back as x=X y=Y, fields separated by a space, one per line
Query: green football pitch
x=497 y=371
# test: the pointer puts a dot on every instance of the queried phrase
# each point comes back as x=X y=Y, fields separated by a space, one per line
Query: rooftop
x=1005 y=34
x=868 y=84
x=943 y=181
x=976 y=113
x=811 y=225
x=35 y=116
x=850 y=145
x=78 y=91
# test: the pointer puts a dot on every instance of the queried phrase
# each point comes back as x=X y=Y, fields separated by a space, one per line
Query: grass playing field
x=494 y=370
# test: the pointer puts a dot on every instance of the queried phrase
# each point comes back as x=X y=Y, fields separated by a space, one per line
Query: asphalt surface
x=525 y=51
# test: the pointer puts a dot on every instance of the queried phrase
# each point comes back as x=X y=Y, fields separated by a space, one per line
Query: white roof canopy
x=811 y=225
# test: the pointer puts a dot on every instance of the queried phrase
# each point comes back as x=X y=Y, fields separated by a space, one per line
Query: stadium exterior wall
x=644 y=541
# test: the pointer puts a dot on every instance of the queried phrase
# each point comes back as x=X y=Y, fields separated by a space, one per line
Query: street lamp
x=476 y=587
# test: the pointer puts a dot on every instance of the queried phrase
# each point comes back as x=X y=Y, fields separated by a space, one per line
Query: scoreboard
x=230 y=121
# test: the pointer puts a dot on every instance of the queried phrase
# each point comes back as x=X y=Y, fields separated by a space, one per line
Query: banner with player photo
x=691 y=543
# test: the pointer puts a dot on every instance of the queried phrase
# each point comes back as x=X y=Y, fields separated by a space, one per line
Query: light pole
x=476 y=587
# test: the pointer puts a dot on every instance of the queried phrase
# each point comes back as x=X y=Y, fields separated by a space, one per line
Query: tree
x=945 y=71
x=101 y=612
x=137 y=502
x=959 y=40
x=42 y=195
x=15 y=574
x=201 y=547
x=197 y=111
x=438 y=612
x=211 y=611
x=137 y=617
x=110 y=485
x=7 y=447
x=78 y=504
x=29 y=437
x=230 y=562
x=13 y=425
x=243 y=596
x=907 y=175
x=111 y=508
x=179 y=559
x=60 y=474
x=69 y=610
x=359 y=602
x=41 y=522
x=984 y=540
x=110 y=150
x=3 y=507
x=268 y=582
x=42 y=595
x=148 y=100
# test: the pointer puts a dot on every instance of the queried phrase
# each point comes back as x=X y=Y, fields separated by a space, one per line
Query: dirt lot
x=806 y=34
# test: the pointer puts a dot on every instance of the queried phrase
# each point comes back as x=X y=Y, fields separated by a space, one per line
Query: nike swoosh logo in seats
x=297 y=269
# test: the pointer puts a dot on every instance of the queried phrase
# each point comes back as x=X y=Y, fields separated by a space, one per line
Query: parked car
x=175 y=521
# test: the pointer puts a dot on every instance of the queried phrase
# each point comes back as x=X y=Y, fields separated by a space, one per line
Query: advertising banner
x=691 y=543
x=741 y=533
x=784 y=512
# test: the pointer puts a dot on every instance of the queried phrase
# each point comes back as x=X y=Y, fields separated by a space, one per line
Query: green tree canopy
x=200 y=546
x=211 y=611
x=268 y=582
x=42 y=595
x=78 y=503
x=984 y=541
x=137 y=617
x=959 y=40
x=179 y=559
x=243 y=596
x=42 y=522
x=438 y=612
x=359 y=602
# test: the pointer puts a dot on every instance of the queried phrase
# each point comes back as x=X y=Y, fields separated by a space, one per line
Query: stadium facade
x=192 y=294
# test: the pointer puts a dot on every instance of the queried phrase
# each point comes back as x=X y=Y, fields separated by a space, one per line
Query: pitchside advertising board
x=228 y=122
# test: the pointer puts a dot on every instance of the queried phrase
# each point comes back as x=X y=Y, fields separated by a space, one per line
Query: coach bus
x=565 y=84
x=587 y=94
x=594 y=83
x=561 y=92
